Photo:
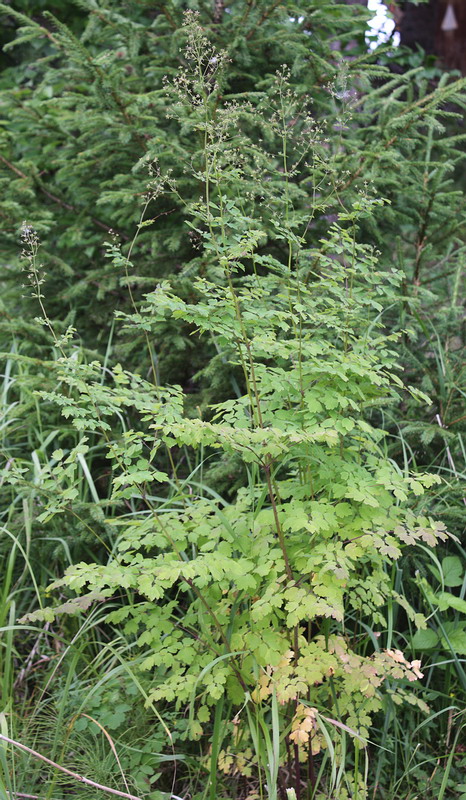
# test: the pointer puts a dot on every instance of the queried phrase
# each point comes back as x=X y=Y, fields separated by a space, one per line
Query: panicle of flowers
x=30 y=248
x=200 y=79
x=158 y=184
x=36 y=275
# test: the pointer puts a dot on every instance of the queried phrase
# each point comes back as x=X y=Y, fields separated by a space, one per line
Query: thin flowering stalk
x=69 y=772
x=36 y=276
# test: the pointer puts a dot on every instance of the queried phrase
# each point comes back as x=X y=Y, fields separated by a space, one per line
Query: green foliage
x=245 y=601
x=234 y=463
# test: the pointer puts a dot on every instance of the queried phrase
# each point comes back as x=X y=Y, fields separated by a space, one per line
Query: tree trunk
x=438 y=33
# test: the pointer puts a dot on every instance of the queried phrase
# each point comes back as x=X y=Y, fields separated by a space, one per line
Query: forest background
x=232 y=328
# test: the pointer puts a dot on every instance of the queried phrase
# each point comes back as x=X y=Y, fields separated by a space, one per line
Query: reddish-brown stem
x=278 y=526
x=297 y=771
x=264 y=16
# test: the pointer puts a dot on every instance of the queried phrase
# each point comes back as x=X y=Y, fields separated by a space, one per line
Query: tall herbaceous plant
x=259 y=612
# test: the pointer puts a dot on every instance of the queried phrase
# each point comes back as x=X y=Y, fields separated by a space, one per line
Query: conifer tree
x=85 y=113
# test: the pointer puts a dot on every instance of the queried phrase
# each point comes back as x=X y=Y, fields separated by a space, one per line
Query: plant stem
x=69 y=772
